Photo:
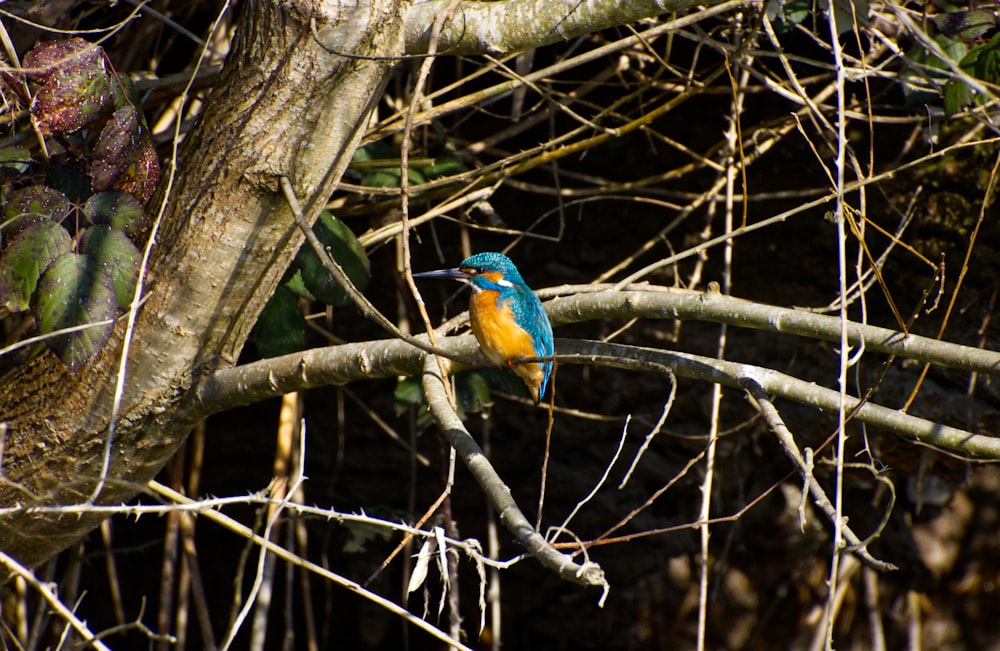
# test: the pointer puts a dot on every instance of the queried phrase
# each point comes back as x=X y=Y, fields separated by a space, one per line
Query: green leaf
x=850 y=13
x=445 y=166
x=75 y=291
x=381 y=179
x=293 y=281
x=123 y=92
x=954 y=50
x=24 y=261
x=50 y=58
x=927 y=59
x=114 y=251
x=795 y=12
x=957 y=95
x=982 y=62
x=121 y=211
x=38 y=201
x=968 y=25
x=920 y=81
x=390 y=177
x=345 y=249
x=361 y=154
x=416 y=177
x=373 y=151
x=408 y=392
x=124 y=158
x=473 y=391
x=985 y=60
x=16 y=159
x=281 y=326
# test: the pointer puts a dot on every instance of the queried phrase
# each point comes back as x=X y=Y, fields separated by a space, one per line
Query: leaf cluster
x=281 y=327
x=69 y=252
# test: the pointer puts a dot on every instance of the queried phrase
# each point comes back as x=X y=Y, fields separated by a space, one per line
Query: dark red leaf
x=124 y=158
x=47 y=58
x=76 y=85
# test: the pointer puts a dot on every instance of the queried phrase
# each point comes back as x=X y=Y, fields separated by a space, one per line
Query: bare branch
x=777 y=425
x=587 y=574
x=513 y=25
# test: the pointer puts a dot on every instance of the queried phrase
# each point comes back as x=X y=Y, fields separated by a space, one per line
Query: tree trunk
x=285 y=106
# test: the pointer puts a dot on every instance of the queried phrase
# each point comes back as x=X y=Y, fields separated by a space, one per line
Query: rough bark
x=285 y=106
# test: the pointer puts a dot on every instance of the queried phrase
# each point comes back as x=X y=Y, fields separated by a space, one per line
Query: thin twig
x=48 y=593
x=338 y=273
x=270 y=547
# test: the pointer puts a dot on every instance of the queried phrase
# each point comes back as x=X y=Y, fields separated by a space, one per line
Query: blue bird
x=506 y=316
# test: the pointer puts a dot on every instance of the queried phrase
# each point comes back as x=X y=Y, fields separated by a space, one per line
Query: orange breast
x=502 y=339
x=499 y=335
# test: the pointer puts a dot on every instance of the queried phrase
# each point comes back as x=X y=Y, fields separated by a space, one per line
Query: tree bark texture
x=285 y=106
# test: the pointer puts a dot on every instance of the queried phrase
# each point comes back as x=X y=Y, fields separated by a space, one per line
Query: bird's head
x=483 y=272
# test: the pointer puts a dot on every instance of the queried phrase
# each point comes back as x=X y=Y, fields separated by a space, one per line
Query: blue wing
x=530 y=315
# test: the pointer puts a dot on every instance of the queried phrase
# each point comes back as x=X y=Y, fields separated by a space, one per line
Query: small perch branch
x=787 y=441
x=387 y=358
x=587 y=574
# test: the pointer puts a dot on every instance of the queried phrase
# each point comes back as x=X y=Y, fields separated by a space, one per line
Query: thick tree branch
x=284 y=106
x=388 y=358
x=512 y=25
x=715 y=307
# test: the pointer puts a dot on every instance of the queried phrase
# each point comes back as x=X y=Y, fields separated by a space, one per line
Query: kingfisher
x=507 y=317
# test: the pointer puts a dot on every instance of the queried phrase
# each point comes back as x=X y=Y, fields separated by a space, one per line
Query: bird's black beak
x=453 y=274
